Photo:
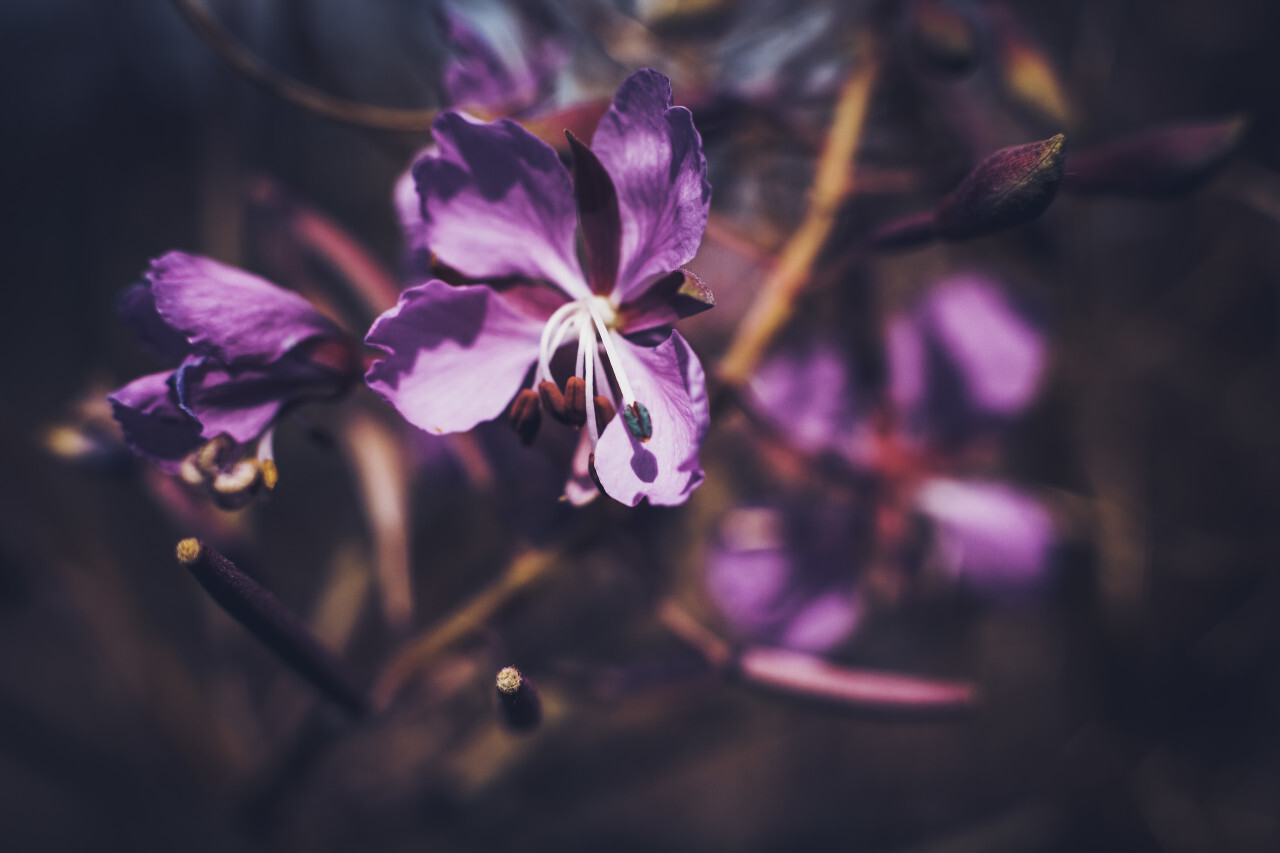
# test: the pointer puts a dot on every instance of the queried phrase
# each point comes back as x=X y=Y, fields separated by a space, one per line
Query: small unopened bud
x=526 y=415
x=1011 y=187
x=1160 y=162
x=604 y=411
x=942 y=37
x=639 y=424
x=518 y=700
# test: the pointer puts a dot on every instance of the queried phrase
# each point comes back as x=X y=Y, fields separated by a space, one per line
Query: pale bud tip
x=188 y=551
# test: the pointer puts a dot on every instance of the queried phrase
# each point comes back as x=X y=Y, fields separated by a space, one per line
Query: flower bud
x=1161 y=162
x=1011 y=187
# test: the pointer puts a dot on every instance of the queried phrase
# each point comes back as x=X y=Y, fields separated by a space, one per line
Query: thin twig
x=253 y=69
x=832 y=181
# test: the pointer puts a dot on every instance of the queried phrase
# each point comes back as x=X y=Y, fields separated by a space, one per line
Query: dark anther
x=604 y=411
x=526 y=415
x=575 y=401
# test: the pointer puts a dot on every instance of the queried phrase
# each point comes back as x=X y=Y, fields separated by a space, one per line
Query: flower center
x=593 y=320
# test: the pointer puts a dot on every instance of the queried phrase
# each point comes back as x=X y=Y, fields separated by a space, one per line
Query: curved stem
x=249 y=66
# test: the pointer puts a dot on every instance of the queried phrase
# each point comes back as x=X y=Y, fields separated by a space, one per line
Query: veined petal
x=497 y=202
x=654 y=155
x=153 y=423
x=669 y=381
x=455 y=355
x=228 y=313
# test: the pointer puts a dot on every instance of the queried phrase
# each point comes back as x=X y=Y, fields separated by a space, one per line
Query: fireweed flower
x=247 y=351
x=961 y=365
x=498 y=208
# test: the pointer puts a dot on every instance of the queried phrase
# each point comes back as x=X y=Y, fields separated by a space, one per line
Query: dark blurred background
x=1135 y=706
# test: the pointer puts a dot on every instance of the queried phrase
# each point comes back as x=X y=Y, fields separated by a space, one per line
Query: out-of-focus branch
x=253 y=69
x=831 y=182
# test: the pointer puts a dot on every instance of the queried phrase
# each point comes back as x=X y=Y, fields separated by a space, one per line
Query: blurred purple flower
x=502 y=68
x=962 y=362
x=247 y=350
x=499 y=208
x=783 y=576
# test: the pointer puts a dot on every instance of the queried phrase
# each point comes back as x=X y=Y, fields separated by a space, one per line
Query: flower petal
x=654 y=155
x=137 y=307
x=243 y=401
x=999 y=355
x=153 y=423
x=669 y=381
x=992 y=535
x=497 y=202
x=228 y=313
x=455 y=355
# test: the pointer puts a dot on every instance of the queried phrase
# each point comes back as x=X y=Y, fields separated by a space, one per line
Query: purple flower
x=499 y=209
x=783 y=576
x=500 y=63
x=960 y=363
x=247 y=349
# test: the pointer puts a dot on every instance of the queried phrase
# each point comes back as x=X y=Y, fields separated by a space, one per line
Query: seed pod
x=1011 y=187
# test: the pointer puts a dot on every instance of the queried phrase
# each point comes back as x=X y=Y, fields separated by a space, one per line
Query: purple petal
x=242 y=402
x=455 y=355
x=598 y=215
x=908 y=362
x=230 y=314
x=137 y=307
x=497 y=202
x=824 y=622
x=654 y=155
x=990 y=534
x=807 y=396
x=669 y=381
x=153 y=424
x=671 y=297
x=999 y=355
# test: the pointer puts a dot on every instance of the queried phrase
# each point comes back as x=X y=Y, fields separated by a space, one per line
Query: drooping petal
x=654 y=155
x=669 y=381
x=990 y=535
x=153 y=423
x=243 y=401
x=455 y=355
x=998 y=354
x=230 y=314
x=137 y=307
x=497 y=202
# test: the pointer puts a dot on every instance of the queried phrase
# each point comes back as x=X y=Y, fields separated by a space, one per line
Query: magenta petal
x=497 y=202
x=999 y=355
x=991 y=535
x=455 y=355
x=669 y=381
x=654 y=155
x=242 y=402
x=153 y=423
x=230 y=314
